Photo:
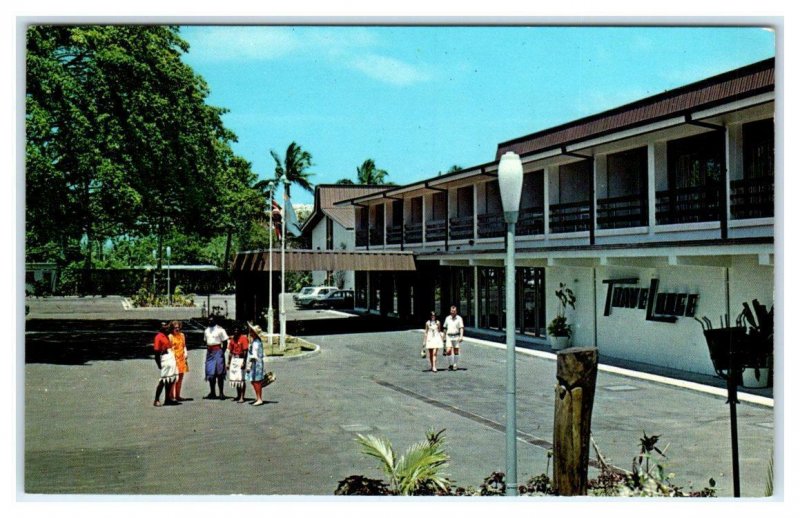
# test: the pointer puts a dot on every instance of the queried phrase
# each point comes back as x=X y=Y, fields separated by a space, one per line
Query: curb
x=301 y=356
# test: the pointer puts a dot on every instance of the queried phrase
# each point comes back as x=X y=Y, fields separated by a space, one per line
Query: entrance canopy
x=325 y=260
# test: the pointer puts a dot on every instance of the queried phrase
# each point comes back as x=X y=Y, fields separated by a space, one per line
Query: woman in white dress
x=432 y=340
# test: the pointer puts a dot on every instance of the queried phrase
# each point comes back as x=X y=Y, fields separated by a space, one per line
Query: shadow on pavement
x=337 y=326
x=80 y=341
x=77 y=342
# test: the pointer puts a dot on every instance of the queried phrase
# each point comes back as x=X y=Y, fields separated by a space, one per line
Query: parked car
x=339 y=299
x=302 y=293
x=304 y=300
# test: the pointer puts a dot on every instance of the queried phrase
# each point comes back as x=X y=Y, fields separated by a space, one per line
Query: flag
x=292 y=226
x=276 y=218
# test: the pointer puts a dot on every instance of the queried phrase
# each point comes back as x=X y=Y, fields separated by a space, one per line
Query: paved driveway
x=90 y=427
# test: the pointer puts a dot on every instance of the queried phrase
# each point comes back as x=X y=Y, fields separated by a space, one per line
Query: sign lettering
x=659 y=307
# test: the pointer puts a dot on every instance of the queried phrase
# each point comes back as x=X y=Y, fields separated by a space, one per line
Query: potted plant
x=559 y=330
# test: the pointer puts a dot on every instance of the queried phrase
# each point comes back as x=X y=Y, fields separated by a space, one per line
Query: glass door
x=531 y=315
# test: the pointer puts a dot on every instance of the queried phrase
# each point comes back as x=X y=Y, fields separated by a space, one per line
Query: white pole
x=270 y=323
x=281 y=301
x=169 y=291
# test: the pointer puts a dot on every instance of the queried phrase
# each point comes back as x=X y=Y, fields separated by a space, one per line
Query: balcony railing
x=688 y=205
x=362 y=237
x=435 y=230
x=570 y=217
x=491 y=225
x=376 y=236
x=413 y=232
x=753 y=198
x=531 y=222
x=462 y=227
x=622 y=212
x=394 y=235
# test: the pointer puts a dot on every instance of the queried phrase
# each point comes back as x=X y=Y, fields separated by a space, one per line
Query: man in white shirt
x=216 y=340
x=454 y=335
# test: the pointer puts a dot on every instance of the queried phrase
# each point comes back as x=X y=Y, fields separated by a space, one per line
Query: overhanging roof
x=326 y=196
x=325 y=260
x=732 y=85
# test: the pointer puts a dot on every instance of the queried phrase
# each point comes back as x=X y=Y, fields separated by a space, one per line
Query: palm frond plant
x=417 y=471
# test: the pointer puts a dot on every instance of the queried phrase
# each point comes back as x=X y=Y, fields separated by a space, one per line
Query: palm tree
x=293 y=167
x=368 y=174
x=417 y=470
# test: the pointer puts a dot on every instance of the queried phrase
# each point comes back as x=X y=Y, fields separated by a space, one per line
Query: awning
x=325 y=260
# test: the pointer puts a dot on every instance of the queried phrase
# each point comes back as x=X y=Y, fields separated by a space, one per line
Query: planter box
x=559 y=342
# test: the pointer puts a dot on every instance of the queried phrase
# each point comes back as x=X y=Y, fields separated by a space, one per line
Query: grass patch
x=294 y=346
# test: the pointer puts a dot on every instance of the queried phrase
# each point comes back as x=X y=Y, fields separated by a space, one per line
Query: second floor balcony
x=362 y=237
x=491 y=225
x=394 y=235
x=621 y=212
x=753 y=198
x=413 y=232
x=462 y=227
x=570 y=217
x=376 y=236
x=435 y=230
x=688 y=205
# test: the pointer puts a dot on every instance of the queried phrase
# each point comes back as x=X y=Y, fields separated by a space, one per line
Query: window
x=491 y=200
x=397 y=212
x=532 y=191
x=361 y=289
x=416 y=210
x=464 y=202
x=439 y=202
x=759 y=149
x=575 y=182
x=328 y=233
x=627 y=173
x=695 y=161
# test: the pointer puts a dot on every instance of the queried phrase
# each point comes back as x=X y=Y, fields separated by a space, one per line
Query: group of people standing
x=243 y=363
x=448 y=336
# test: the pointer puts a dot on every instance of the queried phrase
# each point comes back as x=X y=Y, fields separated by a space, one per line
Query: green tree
x=294 y=168
x=120 y=142
x=368 y=174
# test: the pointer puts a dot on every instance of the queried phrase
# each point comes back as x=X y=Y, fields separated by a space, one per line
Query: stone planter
x=559 y=342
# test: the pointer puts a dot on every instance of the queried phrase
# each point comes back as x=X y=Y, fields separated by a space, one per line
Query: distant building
x=331 y=227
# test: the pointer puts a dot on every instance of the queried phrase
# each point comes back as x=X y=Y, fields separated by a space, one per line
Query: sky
x=418 y=100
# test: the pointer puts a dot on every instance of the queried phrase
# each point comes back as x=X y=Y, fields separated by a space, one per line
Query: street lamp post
x=509 y=178
x=270 y=322
x=281 y=302
x=169 y=291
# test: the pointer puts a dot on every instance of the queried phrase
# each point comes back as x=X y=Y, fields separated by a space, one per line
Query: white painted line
x=698 y=387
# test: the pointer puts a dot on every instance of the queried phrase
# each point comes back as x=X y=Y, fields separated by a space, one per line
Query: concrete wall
x=341 y=236
x=626 y=333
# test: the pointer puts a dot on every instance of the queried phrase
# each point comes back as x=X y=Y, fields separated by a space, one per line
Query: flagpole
x=281 y=301
x=270 y=322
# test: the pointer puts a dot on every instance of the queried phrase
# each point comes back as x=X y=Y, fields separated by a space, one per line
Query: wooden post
x=576 y=372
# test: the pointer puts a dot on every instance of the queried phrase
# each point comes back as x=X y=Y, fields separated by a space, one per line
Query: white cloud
x=235 y=43
x=351 y=47
x=389 y=70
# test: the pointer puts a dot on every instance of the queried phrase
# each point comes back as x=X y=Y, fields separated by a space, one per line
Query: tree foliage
x=293 y=168
x=121 y=144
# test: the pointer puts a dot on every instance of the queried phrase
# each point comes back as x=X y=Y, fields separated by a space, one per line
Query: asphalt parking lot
x=90 y=427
